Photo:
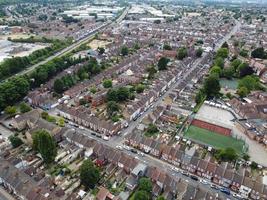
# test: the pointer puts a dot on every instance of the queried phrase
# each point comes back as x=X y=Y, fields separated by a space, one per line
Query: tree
x=225 y=45
x=182 y=53
x=162 y=63
x=244 y=69
x=216 y=70
x=243 y=53
x=167 y=47
x=254 y=165
x=24 y=107
x=151 y=72
x=259 y=53
x=112 y=95
x=242 y=92
x=199 y=52
x=212 y=86
x=89 y=174
x=199 y=96
x=219 y=61
x=228 y=72
x=101 y=50
x=124 y=50
x=11 y=110
x=141 y=195
x=151 y=130
x=59 y=86
x=222 y=52
x=235 y=63
x=228 y=154
x=107 y=83
x=246 y=157
x=140 y=88
x=123 y=93
x=15 y=141
x=249 y=82
x=145 y=185
x=160 y=198
x=45 y=144
x=112 y=108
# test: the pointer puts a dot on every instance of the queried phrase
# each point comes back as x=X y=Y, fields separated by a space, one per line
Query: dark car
x=133 y=150
x=194 y=177
x=225 y=191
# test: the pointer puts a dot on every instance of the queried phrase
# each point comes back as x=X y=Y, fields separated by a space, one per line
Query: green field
x=215 y=140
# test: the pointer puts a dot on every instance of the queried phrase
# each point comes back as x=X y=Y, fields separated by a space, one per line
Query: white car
x=238 y=196
x=204 y=182
x=119 y=147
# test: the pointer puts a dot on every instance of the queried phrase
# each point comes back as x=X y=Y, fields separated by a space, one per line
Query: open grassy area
x=215 y=140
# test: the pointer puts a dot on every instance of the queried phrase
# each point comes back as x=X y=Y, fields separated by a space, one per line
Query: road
x=76 y=44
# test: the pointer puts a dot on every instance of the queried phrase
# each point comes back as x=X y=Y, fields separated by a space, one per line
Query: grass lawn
x=215 y=140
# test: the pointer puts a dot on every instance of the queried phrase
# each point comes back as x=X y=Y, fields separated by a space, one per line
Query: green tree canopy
x=216 y=70
x=199 y=52
x=45 y=144
x=124 y=50
x=222 y=52
x=89 y=174
x=219 y=61
x=162 y=63
x=259 y=53
x=107 y=83
x=228 y=154
x=141 y=195
x=11 y=110
x=15 y=141
x=23 y=107
x=112 y=108
x=140 y=88
x=182 y=53
x=145 y=185
x=212 y=86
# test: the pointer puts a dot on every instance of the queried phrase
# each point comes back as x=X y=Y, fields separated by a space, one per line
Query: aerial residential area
x=138 y=100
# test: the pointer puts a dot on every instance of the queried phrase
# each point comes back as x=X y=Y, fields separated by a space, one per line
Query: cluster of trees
x=15 y=89
x=162 y=63
x=33 y=39
x=124 y=50
x=167 y=47
x=226 y=155
x=119 y=94
x=14 y=65
x=89 y=174
x=236 y=69
x=199 y=52
x=182 y=53
x=45 y=144
x=259 y=53
x=107 y=83
x=15 y=141
x=144 y=190
x=67 y=81
x=247 y=84
x=151 y=130
x=68 y=19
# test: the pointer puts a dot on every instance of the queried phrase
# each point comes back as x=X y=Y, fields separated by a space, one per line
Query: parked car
x=214 y=186
x=185 y=173
x=194 y=177
x=133 y=150
x=204 y=182
x=225 y=191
